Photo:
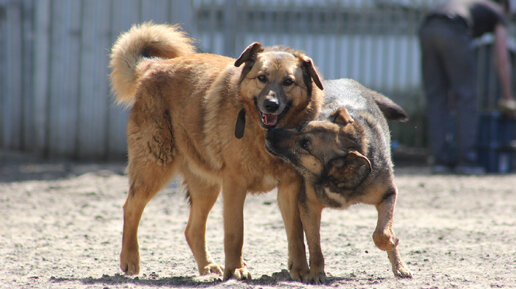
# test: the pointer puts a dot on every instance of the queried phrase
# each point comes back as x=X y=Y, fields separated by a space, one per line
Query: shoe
x=507 y=106
x=472 y=170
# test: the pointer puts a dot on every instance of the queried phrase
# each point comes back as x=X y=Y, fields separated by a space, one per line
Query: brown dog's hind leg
x=202 y=198
x=288 y=200
x=384 y=237
x=145 y=181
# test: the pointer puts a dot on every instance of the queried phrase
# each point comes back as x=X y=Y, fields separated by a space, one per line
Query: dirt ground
x=61 y=226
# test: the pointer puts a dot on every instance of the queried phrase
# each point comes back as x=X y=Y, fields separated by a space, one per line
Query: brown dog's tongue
x=270 y=119
x=240 y=124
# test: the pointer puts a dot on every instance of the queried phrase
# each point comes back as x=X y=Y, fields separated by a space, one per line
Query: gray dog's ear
x=341 y=116
x=309 y=67
x=248 y=56
x=349 y=171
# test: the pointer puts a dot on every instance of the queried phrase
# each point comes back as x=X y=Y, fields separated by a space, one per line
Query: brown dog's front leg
x=234 y=198
x=311 y=217
x=384 y=237
x=288 y=193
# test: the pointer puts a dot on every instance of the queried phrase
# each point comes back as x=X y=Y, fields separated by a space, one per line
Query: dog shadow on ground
x=194 y=281
x=152 y=280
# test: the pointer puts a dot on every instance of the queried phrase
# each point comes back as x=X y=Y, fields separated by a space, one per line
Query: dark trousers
x=449 y=79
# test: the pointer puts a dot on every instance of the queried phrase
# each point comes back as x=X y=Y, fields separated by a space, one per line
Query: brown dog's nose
x=271 y=105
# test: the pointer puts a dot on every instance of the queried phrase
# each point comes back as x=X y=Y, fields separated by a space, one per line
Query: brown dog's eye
x=288 y=82
x=305 y=144
x=262 y=78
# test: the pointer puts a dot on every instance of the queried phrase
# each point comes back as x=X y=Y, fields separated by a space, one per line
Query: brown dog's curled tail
x=147 y=40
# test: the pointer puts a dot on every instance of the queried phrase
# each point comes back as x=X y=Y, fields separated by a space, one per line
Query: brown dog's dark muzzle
x=279 y=142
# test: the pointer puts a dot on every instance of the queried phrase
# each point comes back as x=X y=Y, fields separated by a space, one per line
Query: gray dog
x=345 y=159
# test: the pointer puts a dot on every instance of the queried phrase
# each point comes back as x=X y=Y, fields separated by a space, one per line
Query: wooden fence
x=55 y=95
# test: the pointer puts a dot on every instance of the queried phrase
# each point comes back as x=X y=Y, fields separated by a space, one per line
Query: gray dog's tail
x=389 y=108
x=145 y=41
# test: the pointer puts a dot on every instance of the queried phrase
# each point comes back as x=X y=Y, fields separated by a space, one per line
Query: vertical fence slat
x=28 y=138
x=124 y=14
x=64 y=78
x=95 y=43
x=155 y=10
x=11 y=99
x=3 y=68
x=182 y=12
x=230 y=30
x=41 y=74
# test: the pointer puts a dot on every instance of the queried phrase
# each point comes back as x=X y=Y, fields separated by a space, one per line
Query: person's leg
x=461 y=67
x=436 y=91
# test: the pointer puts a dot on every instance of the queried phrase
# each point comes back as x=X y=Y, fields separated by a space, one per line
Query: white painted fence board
x=155 y=11
x=27 y=78
x=3 y=68
x=124 y=14
x=93 y=103
x=41 y=74
x=12 y=98
x=182 y=12
x=64 y=79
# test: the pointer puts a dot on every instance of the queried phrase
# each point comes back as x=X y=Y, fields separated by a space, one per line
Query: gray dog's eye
x=262 y=78
x=305 y=144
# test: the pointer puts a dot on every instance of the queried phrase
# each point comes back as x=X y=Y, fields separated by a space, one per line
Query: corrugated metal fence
x=55 y=95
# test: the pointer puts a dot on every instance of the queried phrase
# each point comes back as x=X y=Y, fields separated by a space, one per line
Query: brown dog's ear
x=309 y=67
x=341 y=116
x=249 y=54
x=350 y=170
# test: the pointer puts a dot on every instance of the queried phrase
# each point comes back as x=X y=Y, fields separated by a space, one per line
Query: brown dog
x=345 y=159
x=204 y=117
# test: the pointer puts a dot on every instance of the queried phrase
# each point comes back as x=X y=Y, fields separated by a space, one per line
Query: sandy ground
x=61 y=227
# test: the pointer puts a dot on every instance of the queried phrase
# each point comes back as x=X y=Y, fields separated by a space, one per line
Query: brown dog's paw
x=402 y=272
x=212 y=268
x=130 y=263
x=316 y=277
x=385 y=242
x=301 y=274
x=237 y=273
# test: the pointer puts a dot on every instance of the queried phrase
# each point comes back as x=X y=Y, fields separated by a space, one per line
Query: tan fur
x=182 y=121
x=344 y=159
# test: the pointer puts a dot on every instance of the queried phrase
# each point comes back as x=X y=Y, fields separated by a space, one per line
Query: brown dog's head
x=276 y=85
x=328 y=153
